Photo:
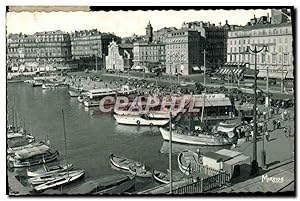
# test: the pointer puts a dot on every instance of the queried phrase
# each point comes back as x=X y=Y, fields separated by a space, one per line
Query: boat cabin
x=100 y=93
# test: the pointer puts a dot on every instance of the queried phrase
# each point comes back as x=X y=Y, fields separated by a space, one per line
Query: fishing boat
x=142 y=120
x=113 y=184
x=121 y=163
x=19 y=142
x=37 y=83
x=40 y=179
x=94 y=96
x=53 y=85
x=185 y=160
x=19 y=135
x=12 y=150
x=58 y=181
x=196 y=138
x=49 y=170
x=139 y=170
x=31 y=160
x=164 y=178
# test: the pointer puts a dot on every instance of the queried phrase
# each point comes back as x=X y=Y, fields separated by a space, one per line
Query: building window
x=263 y=58
x=285 y=58
x=273 y=58
x=280 y=58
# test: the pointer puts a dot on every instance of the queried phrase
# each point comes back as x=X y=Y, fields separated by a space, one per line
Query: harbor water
x=91 y=135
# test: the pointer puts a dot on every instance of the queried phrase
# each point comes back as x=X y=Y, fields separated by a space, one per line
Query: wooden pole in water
x=170 y=154
x=65 y=136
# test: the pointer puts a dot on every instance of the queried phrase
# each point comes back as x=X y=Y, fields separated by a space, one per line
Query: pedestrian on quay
x=267 y=136
x=274 y=124
x=278 y=124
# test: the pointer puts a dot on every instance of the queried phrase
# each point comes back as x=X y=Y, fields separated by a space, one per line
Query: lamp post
x=254 y=164
x=204 y=64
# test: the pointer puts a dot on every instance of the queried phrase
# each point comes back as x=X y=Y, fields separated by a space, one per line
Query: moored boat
x=142 y=120
x=58 y=181
x=185 y=160
x=164 y=178
x=40 y=179
x=114 y=184
x=12 y=150
x=196 y=137
x=139 y=170
x=33 y=156
x=49 y=170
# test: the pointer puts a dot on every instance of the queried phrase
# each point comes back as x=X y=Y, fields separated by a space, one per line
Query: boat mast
x=13 y=119
x=204 y=83
x=65 y=136
x=170 y=154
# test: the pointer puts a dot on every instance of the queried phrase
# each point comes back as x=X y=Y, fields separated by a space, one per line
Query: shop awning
x=227 y=70
x=275 y=75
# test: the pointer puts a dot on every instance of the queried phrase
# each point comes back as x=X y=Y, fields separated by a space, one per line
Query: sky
x=122 y=23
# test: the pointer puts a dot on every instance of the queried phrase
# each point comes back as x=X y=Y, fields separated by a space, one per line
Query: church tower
x=149 y=32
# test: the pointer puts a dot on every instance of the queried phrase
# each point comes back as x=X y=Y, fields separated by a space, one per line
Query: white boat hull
x=194 y=140
x=40 y=173
x=136 y=120
x=58 y=181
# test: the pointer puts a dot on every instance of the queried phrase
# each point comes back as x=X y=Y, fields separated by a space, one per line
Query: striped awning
x=227 y=70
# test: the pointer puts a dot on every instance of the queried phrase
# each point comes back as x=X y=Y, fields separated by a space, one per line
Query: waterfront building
x=89 y=47
x=119 y=57
x=51 y=49
x=148 y=55
x=215 y=41
x=259 y=32
x=184 y=52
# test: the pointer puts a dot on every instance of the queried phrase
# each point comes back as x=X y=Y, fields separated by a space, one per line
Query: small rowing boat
x=49 y=170
x=60 y=180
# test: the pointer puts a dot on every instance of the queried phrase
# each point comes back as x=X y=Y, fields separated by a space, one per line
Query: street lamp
x=254 y=164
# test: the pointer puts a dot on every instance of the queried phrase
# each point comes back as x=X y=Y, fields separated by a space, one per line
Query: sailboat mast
x=65 y=136
x=13 y=119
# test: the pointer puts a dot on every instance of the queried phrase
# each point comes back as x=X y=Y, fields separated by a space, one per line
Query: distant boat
x=185 y=159
x=114 y=184
x=49 y=170
x=60 y=180
x=142 y=120
x=128 y=165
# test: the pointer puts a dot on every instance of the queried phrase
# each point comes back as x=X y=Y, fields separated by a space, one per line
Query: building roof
x=216 y=156
x=261 y=26
x=126 y=45
x=227 y=152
